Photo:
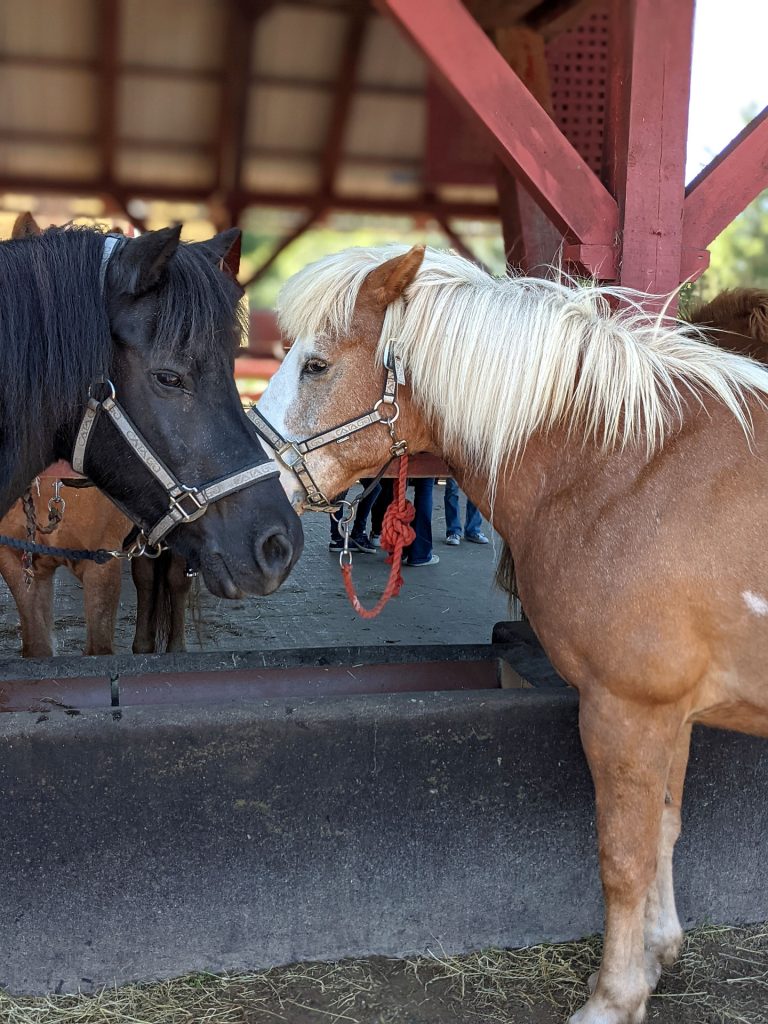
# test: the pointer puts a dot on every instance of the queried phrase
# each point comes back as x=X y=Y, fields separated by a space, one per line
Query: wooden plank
x=514 y=123
x=646 y=136
x=728 y=184
x=109 y=52
x=429 y=205
x=344 y=89
x=531 y=241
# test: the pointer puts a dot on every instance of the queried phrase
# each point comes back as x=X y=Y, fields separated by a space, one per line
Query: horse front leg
x=629 y=748
x=179 y=586
x=663 y=934
x=101 y=599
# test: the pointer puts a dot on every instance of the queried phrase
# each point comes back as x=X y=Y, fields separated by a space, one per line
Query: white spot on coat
x=756 y=603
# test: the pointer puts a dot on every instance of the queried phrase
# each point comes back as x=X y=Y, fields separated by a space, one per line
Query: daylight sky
x=730 y=74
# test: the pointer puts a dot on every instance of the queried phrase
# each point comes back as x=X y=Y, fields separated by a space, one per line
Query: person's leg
x=452 y=517
x=334 y=518
x=421 y=550
x=473 y=521
x=364 y=509
x=380 y=506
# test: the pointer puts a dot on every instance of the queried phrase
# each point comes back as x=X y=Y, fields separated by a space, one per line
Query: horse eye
x=315 y=366
x=168 y=379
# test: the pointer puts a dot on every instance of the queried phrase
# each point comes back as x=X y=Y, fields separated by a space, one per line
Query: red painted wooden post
x=531 y=241
x=646 y=137
x=522 y=134
x=727 y=185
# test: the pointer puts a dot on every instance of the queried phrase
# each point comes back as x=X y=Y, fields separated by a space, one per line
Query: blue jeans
x=473 y=521
x=361 y=516
x=421 y=549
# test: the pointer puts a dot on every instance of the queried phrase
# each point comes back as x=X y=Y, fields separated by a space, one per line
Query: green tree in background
x=739 y=256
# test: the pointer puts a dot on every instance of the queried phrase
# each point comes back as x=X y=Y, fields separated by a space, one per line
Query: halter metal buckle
x=199 y=504
x=290 y=455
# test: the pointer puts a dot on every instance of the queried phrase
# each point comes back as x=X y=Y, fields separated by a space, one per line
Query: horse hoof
x=652 y=969
x=597 y=1010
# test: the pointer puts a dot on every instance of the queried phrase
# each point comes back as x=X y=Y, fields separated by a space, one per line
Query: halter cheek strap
x=293 y=453
x=185 y=503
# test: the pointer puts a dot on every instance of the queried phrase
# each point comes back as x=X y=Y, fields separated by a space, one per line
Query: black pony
x=160 y=320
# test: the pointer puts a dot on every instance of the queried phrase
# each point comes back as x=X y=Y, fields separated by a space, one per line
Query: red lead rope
x=396 y=534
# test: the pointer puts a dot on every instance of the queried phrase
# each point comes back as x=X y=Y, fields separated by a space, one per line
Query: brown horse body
x=641 y=566
x=91 y=521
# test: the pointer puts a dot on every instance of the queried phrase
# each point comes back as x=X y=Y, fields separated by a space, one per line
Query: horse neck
x=550 y=467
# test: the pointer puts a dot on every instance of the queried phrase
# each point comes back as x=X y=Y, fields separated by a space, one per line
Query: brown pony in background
x=624 y=462
x=90 y=521
x=737 y=320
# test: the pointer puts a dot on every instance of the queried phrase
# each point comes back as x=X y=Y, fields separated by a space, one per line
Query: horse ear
x=388 y=281
x=25 y=226
x=142 y=261
x=225 y=250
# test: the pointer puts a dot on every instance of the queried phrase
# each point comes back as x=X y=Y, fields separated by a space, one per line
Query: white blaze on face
x=283 y=389
x=275 y=405
x=756 y=603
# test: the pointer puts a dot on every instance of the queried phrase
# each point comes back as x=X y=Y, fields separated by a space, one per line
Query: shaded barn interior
x=318 y=105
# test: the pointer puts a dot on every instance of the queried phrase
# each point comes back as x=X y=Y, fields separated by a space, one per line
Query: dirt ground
x=721 y=978
x=454 y=602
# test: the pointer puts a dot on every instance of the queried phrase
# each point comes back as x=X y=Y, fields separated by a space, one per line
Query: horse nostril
x=274 y=552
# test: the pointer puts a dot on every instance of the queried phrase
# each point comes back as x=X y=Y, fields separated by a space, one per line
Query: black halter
x=185 y=503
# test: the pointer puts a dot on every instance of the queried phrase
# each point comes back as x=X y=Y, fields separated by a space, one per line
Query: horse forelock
x=531 y=354
x=198 y=306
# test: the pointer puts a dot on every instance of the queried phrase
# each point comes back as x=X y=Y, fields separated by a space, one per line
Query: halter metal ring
x=347 y=509
x=107 y=384
x=391 y=419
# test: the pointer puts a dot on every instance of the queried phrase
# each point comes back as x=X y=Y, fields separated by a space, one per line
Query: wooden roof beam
x=524 y=137
x=233 y=127
x=645 y=140
x=343 y=95
x=728 y=184
x=109 y=55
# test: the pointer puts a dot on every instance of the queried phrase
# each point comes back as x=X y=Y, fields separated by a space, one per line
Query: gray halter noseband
x=293 y=453
x=185 y=503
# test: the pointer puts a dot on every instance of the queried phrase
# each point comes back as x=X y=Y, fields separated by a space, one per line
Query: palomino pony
x=117 y=355
x=90 y=521
x=624 y=463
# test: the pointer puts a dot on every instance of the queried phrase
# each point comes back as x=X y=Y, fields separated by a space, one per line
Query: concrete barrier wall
x=143 y=843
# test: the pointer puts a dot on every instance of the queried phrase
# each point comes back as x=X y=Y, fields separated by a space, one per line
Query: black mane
x=54 y=333
x=54 y=330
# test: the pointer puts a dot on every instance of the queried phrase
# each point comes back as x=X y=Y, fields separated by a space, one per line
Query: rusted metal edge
x=72 y=684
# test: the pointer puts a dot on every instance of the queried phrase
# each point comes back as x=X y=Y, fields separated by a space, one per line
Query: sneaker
x=476 y=538
x=336 y=545
x=362 y=542
x=376 y=540
x=432 y=561
x=453 y=539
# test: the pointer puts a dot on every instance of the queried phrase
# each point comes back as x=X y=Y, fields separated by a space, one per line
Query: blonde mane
x=495 y=360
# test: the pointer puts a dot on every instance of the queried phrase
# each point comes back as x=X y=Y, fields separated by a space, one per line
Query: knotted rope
x=396 y=534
